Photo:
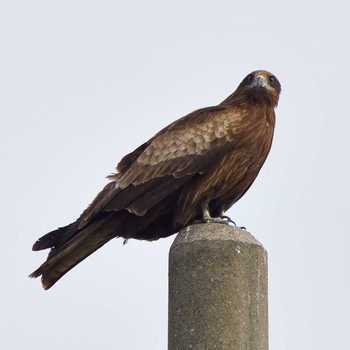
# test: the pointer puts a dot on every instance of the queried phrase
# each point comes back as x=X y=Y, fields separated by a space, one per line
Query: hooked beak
x=258 y=81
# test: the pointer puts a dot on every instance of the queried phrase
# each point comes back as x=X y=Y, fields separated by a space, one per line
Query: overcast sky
x=82 y=83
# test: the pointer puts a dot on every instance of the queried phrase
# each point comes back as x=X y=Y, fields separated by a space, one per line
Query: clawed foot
x=220 y=220
x=211 y=221
x=227 y=219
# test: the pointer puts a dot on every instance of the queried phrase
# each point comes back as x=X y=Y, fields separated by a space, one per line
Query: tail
x=69 y=246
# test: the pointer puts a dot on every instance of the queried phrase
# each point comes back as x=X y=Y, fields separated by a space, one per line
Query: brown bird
x=194 y=169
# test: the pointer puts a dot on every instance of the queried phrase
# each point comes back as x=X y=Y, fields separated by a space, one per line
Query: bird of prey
x=194 y=169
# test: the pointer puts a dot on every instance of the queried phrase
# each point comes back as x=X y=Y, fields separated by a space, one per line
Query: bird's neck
x=262 y=100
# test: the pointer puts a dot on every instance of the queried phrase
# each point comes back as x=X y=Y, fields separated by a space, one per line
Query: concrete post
x=217 y=290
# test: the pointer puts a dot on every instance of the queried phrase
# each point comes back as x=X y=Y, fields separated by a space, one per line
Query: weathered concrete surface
x=217 y=290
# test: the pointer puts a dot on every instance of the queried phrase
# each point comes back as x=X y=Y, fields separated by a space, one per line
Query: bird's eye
x=272 y=79
x=250 y=77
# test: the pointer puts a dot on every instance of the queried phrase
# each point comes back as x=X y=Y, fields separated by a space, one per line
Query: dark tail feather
x=55 y=239
x=69 y=249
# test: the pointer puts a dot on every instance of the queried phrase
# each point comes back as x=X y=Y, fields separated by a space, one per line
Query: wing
x=163 y=164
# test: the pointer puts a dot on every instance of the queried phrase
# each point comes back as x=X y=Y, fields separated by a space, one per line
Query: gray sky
x=85 y=82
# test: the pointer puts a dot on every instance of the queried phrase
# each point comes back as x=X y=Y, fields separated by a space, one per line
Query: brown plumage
x=195 y=168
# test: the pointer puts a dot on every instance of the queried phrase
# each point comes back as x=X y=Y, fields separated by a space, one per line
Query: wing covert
x=189 y=146
x=182 y=148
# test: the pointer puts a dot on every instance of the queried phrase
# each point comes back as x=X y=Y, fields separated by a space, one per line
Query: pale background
x=85 y=82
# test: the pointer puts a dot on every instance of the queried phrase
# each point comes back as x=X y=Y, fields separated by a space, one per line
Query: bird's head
x=260 y=87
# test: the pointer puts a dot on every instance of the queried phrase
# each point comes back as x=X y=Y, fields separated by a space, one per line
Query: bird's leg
x=205 y=211
x=207 y=217
x=222 y=219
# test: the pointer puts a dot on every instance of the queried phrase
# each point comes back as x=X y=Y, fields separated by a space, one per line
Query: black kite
x=194 y=169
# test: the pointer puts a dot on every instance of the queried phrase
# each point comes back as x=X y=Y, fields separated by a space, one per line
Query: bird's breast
x=239 y=167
